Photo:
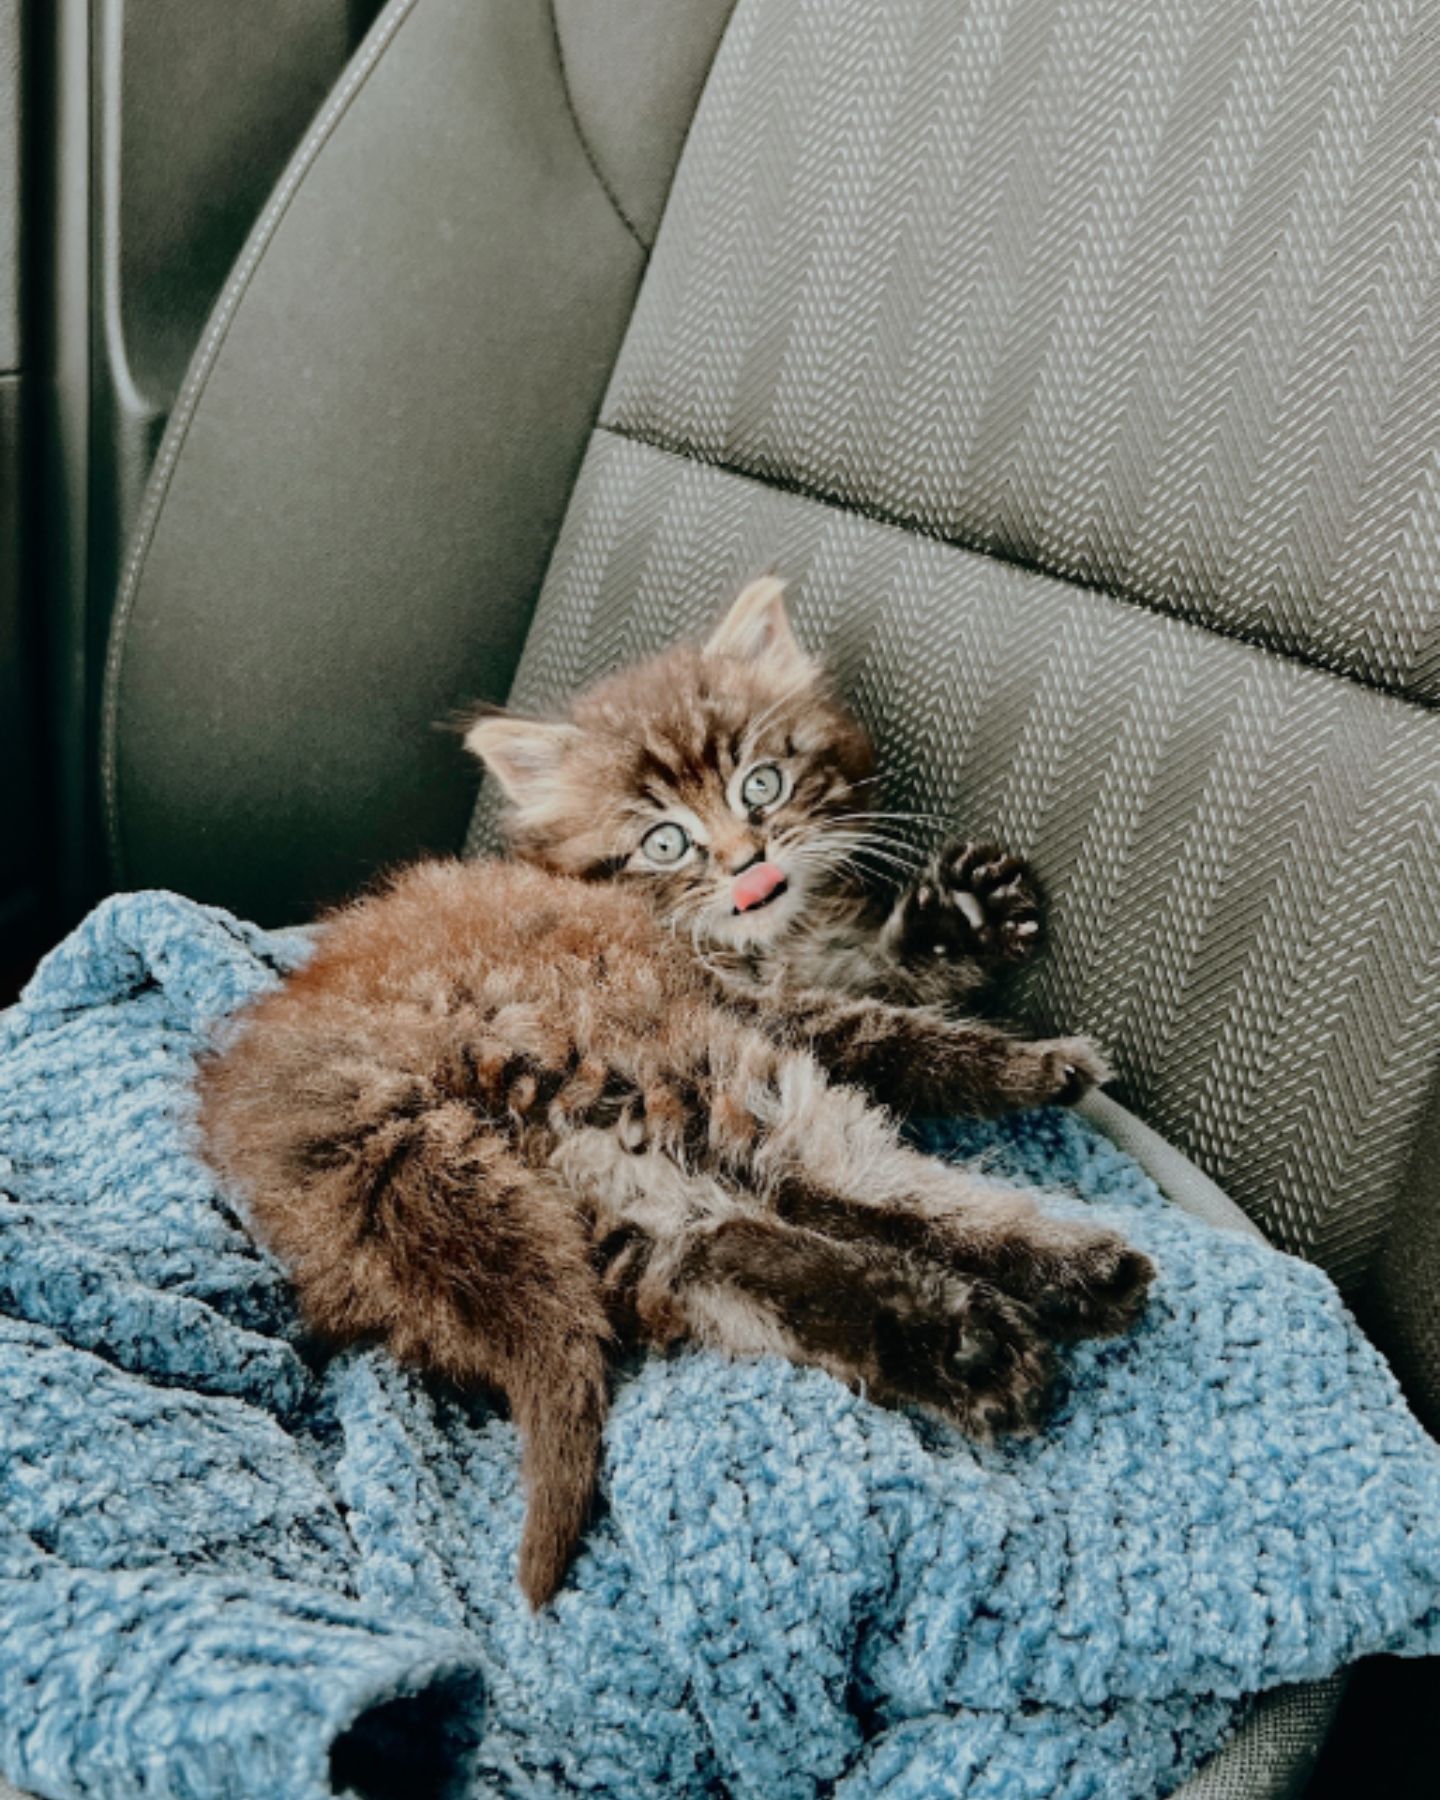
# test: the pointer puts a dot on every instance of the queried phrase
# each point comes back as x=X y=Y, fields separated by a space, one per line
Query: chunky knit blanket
x=229 y=1567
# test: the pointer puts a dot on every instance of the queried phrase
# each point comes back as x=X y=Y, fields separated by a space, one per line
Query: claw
x=972 y=909
x=974 y=902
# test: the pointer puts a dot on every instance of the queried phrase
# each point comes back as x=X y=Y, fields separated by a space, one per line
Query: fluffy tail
x=560 y=1411
x=403 y=1214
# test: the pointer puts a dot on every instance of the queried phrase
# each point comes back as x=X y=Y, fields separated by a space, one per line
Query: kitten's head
x=716 y=779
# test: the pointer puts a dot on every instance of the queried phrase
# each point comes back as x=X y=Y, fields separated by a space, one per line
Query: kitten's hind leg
x=1078 y=1280
x=901 y=1330
x=689 y=1255
x=830 y=1163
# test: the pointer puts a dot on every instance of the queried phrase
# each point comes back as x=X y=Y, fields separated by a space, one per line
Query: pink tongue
x=756 y=885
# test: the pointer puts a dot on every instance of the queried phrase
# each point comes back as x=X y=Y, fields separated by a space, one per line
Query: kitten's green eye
x=762 y=786
x=665 y=844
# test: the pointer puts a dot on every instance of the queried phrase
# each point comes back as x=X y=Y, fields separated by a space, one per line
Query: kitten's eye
x=665 y=844
x=762 y=786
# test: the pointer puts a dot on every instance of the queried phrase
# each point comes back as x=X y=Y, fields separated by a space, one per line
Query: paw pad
x=974 y=902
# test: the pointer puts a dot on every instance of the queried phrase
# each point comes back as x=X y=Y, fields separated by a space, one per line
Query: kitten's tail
x=560 y=1411
x=404 y=1214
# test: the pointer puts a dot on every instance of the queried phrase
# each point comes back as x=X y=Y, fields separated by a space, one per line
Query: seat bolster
x=1401 y=1302
x=1274 y=1751
x=1173 y=1173
x=358 y=493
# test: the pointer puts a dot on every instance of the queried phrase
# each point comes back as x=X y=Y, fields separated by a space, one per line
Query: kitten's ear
x=757 y=629
x=524 y=755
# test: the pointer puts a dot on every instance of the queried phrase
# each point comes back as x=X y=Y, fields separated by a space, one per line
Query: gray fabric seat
x=1075 y=360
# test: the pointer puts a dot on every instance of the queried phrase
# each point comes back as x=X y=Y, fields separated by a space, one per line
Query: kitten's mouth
x=757 y=887
x=760 y=905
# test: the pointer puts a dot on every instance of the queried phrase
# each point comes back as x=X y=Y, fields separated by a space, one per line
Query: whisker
x=870 y=833
x=901 y=855
x=914 y=818
x=847 y=868
x=845 y=858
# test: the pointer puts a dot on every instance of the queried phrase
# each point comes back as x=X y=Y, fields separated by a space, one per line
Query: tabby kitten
x=640 y=1084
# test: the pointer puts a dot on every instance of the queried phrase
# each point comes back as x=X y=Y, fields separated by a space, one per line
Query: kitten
x=639 y=1085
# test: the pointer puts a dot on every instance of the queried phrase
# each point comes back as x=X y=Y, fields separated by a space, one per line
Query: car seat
x=1076 y=362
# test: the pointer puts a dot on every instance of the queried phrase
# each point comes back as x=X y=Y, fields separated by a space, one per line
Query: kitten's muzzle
x=758 y=885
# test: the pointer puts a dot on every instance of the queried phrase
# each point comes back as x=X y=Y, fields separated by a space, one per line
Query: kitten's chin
x=759 y=927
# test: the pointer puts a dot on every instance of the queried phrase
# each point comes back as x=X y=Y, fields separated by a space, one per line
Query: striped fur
x=515 y=1112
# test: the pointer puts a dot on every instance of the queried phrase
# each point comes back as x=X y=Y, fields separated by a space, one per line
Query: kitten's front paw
x=1056 y=1071
x=974 y=903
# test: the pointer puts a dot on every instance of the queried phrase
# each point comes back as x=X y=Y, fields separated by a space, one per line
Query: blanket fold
x=230 y=1567
x=143 y=1682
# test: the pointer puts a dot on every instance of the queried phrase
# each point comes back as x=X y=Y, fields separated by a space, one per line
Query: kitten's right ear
x=524 y=755
x=757 y=629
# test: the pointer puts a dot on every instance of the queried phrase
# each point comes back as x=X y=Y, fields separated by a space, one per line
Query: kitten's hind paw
x=974 y=903
x=1107 y=1291
x=1082 y=1281
x=980 y=1361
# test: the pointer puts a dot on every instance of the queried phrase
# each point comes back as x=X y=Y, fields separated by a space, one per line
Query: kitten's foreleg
x=915 y=1060
x=970 y=917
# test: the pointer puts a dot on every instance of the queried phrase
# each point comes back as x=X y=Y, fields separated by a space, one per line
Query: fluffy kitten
x=640 y=1084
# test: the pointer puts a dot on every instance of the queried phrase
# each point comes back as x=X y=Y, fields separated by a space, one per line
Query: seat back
x=1076 y=361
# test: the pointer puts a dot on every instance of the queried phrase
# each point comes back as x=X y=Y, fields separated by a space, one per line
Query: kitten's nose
x=762 y=881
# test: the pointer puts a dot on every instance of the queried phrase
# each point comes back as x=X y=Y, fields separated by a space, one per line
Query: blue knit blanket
x=228 y=1567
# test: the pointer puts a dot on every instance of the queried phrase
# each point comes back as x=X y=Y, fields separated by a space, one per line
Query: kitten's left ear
x=757 y=630
x=524 y=755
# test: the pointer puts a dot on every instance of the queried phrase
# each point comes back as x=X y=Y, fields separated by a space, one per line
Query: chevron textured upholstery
x=1144 y=293
x=1078 y=361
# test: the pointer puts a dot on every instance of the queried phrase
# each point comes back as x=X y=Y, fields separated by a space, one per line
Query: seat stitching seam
x=898 y=521
x=582 y=138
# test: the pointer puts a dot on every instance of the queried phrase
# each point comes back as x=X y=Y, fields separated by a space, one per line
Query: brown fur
x=513 y=1112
